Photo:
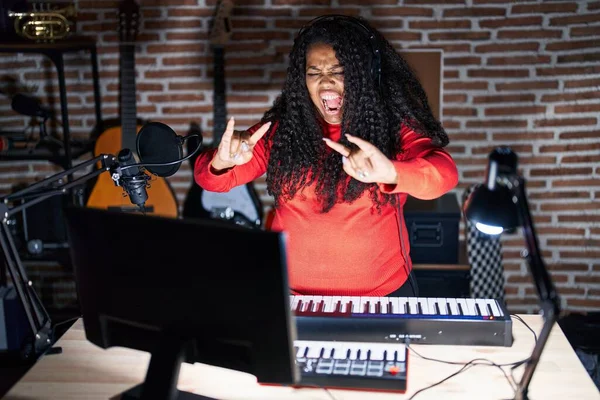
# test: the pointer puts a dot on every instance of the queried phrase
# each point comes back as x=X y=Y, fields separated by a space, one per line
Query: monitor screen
x=152 y=283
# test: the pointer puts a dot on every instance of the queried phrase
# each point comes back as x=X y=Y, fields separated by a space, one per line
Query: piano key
x=314 y=351
x=471 y=307
x=433 y=310
x=328 y=304
x=496 y=312
x=462 y=304
x=443 y=308
x=412 y=303
x=482 y=307
x=453 y=306
x=376 y=352
x=423 y=305
x=355 y=304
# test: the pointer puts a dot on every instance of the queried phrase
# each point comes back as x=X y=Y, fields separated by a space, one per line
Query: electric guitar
x=241 y=205
x=161 y=198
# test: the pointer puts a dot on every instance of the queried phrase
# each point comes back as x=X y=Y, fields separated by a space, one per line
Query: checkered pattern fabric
x=485 y=258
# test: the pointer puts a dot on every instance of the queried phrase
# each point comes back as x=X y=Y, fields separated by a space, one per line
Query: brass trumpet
x=45 y=22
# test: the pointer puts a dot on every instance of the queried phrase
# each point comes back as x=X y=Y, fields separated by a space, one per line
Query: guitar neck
x=219 y=97
x=128 y=96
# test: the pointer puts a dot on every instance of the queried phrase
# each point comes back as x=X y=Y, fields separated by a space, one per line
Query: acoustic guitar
x=161 y=198
x=241 y=205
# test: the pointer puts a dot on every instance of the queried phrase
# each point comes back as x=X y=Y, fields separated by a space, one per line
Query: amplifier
x=433 y=228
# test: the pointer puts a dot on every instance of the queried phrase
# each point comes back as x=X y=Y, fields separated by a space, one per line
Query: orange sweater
x=351 y=250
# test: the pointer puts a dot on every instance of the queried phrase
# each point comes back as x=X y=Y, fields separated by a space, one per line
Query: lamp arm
x=549 y=300
x=37 y=316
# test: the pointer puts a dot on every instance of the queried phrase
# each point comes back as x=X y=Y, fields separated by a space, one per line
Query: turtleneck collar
x=333 y=132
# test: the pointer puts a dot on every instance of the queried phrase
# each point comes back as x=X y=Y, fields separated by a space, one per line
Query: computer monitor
x=185 y=291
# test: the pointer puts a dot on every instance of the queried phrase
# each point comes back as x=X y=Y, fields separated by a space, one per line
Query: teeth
x=329 y=97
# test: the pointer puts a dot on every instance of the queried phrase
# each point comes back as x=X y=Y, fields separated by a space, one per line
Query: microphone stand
x=549 y=300
x=37 y=316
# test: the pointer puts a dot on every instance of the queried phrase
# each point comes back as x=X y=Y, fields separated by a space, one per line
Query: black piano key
x=437 y=308
x=338 y=306
x=489 y=309
x=367 y=307
x=299 y=306
x=309 y=307
x=419 y=308
x=478 y=310
x=320 y=306
x=460 y=309
x=378 y=307
x=407 y=308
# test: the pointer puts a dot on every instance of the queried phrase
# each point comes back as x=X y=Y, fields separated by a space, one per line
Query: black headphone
x=373 y=40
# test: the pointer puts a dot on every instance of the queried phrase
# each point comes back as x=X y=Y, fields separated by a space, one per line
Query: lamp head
x=492 y=206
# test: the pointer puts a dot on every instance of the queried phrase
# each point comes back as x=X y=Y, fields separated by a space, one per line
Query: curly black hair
x=298 y=155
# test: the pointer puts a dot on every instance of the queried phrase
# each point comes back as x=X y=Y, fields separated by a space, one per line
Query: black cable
x=474 y=362
x=67 y=321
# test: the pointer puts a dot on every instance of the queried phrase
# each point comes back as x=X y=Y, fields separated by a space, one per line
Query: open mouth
x=332 y=103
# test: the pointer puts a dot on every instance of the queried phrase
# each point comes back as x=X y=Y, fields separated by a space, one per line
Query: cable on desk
x=474 y=362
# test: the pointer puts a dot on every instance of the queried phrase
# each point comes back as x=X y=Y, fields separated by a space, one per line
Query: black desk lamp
x=498 y=205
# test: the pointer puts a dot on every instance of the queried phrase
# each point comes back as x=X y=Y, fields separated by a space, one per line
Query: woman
x=349 y=138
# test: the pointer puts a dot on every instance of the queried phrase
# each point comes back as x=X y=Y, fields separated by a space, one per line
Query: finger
x=350 y=170
x=260 y=132
x=362 y=144
x=235 y=145
x=226 y=138
x=340 y=148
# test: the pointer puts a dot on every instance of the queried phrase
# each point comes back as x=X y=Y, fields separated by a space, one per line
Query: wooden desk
x=85 y=371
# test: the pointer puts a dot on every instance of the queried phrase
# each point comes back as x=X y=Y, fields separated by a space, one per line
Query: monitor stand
x=163 y=374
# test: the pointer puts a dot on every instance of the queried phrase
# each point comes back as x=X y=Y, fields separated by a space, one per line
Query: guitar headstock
x=129 y=20
x=220 y=30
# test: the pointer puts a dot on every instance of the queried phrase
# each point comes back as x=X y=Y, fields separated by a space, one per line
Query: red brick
x=566 y=122
x=575 y=19
x=544 y=8
x=576 y=108
x=520 y=21
x=498 y=73
x=506 y=47
x=581 y=83
x=460 y=35
x=507 y=98
x=527 y=85
x=519 y=136
x=578 y=58
x=577 y=31
x=518 y=60
x=521 y=110
x=529 y=34
x=575 y=183
x=474 y=12
x=402 y=11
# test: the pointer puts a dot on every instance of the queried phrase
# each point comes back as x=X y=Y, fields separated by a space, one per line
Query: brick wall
x=519 y=73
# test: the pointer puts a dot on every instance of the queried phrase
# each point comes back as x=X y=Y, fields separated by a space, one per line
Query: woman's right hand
x=236 y=147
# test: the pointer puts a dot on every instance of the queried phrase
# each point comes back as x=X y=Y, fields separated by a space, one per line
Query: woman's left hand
x=367 y=163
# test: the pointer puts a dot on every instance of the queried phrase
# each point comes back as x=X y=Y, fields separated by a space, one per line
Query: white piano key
x=401 y=353
x=424 y=303
x=496 y=311
x=377 y=351
x=314 y=350
x=294 y=303
x=471 y=306
x=482 y=307
x=441 y=302
x=316 y=303
x=395 y=306
x=356 y=304
x=453 y=305
x=353 y=352
x=340 y=352
x=327 y=351
x=402 y=303
x=432 y=309
x=329 y=304
x=345 y=303
x=300 y=352
x=412 y=302
x=463 y=306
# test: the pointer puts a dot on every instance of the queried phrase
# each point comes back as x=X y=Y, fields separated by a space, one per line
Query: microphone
x=160 y=149
x=30 y=106
x=132 y=178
